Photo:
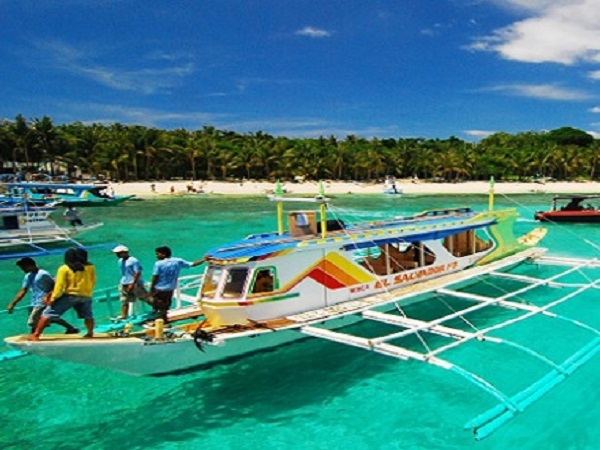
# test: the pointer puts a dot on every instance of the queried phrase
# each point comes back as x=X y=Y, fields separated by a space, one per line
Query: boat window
x=211 y=281
x=467 y=243
x=395 y=257
x=235 y=281
x=264 y=281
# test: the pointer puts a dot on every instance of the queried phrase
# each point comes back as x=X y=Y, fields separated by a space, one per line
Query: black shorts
x=162 y=300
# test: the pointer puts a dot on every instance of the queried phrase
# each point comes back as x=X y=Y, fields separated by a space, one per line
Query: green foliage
x=132 y=152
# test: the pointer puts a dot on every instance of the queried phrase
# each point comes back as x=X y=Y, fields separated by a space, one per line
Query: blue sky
x=305 y=68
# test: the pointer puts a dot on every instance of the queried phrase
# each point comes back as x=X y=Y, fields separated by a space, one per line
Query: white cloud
x=541 y=91
x=595 y=110
x=561 y=31
x=314 y=32
x=595 y=75
x=479 y=133
x=146 y=80
x=107 y=114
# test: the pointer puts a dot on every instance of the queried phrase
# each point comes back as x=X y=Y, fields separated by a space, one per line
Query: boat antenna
x=491 y=194
x=278 y=194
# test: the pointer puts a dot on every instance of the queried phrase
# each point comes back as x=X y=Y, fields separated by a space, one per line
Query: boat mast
x=322 y=208
x=278 y=194
x=491 y=194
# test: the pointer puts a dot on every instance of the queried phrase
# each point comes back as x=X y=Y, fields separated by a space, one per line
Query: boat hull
x=140 y=357
x=569 y=216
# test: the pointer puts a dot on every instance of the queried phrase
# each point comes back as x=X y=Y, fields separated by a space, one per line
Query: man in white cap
x=131 y=286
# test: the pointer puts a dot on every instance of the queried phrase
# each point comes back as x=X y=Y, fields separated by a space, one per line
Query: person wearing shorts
x=75 y=282
x=164 y=279
x=131 y=284
x=41 y=283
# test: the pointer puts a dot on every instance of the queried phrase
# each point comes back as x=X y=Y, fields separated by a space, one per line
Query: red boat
x=578 y=209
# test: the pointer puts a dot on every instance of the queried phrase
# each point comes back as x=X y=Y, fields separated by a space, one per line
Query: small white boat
x=390 y=187
x=29 y=228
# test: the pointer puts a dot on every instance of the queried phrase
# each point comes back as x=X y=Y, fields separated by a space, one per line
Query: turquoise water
x=307 y=395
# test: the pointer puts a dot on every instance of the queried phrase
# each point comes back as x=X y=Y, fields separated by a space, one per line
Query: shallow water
x=307 y=395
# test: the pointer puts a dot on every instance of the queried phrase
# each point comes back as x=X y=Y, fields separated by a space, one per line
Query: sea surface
x=307 y=395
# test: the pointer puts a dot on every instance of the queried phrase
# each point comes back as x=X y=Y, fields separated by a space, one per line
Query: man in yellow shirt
x=75 y=281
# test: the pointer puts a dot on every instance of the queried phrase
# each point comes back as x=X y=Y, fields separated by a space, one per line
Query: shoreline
x=254 y=188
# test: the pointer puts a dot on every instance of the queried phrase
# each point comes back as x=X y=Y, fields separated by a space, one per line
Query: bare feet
x=88 y=335
x=33 y=337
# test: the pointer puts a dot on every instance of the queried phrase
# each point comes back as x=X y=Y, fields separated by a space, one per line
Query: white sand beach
x=144 y=189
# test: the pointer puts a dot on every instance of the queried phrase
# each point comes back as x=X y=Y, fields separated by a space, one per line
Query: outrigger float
x=320 y=276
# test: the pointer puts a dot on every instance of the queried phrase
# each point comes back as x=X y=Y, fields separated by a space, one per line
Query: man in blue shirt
x=164 y=279
x=131 y=285
x=41 y=284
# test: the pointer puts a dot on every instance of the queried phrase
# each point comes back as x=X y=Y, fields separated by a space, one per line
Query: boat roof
x=74 y=186
x=577 y=197
x=433 y=224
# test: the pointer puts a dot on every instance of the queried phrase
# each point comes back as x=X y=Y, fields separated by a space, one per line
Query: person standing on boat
x=41 y=284
x=164 y=279
x=75 y=282
x=131 y=286
x=72 y=216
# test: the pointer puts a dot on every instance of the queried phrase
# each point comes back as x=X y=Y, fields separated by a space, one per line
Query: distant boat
x=67 y=194
x=25 y=229
x=574 y=209
x=390 y=187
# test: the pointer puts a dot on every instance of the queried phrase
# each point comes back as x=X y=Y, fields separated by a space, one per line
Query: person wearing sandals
x=41 y=284
x=75 y=281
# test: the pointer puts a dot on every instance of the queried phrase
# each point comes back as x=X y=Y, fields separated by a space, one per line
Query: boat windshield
x=211 y=281
x=235 y=282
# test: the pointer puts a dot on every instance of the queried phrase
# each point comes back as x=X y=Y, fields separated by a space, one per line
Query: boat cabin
x=273 y=275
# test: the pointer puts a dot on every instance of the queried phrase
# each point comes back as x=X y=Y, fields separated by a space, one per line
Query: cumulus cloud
x=595 y=110
x=557 y=31
x=313 y=32
x=541 y=91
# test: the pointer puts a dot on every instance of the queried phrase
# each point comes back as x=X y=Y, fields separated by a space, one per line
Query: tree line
x=133 y=152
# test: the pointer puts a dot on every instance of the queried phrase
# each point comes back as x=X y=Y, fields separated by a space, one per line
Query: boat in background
x=26 y=230
x=67 y=194
x=574 y=209
x=390 y=187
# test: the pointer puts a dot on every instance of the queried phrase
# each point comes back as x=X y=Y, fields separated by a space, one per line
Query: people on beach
x=72 y=215
x=164 y=279
x=75 y=282
x=131 y=285
x=41 y=284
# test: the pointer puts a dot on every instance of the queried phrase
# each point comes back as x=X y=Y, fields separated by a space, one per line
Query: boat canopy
x=428 y=225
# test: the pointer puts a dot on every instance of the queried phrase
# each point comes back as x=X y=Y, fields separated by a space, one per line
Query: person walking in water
x=75 y=282
x=41 y=284
x=164 y=279
x=131 y=286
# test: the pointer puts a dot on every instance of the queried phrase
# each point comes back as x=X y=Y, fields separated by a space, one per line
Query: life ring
x=22 y=220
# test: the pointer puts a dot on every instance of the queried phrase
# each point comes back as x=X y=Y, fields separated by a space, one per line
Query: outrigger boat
x=25 y=230
x=67 y=194
x=575 y=209
x=322 y=275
